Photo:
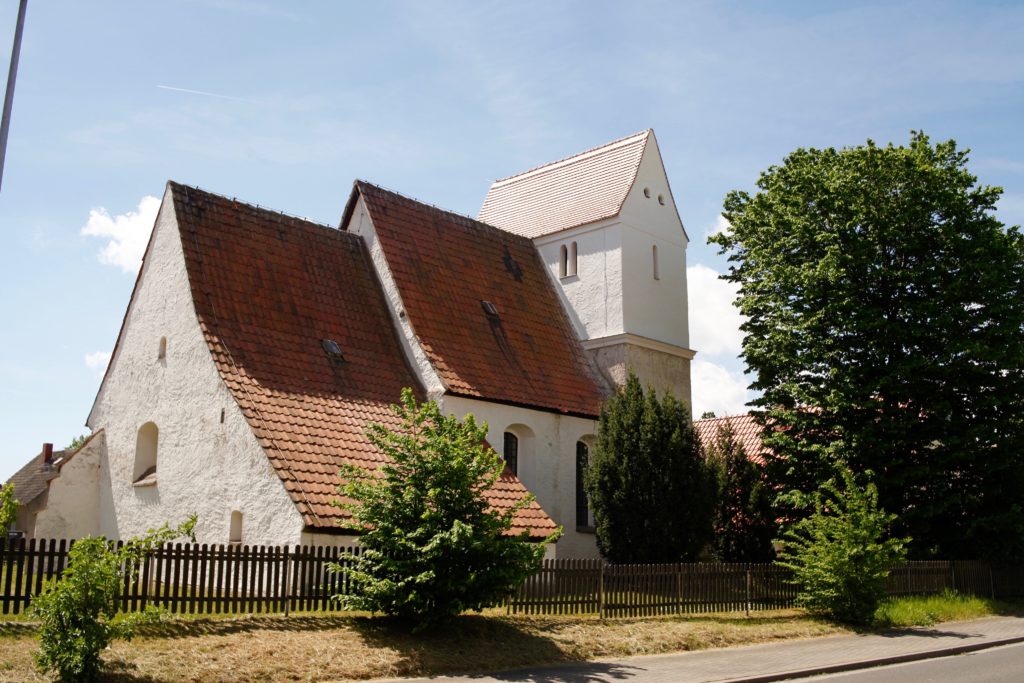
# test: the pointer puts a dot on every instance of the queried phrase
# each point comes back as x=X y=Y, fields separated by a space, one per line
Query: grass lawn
x=330 y=648
x=319 y=647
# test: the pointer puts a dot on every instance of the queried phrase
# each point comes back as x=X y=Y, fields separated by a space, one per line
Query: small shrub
x=8 y=508
x=77 y=612
x=925 y=610
x=432 y=546
x=840 y=555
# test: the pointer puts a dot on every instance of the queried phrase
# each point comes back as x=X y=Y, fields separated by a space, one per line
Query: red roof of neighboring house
x=586 y=187
x=523 y=351
x=268 y=289
x=747 y=431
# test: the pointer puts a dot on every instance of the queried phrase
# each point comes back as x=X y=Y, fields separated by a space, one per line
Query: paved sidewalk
x=773 y=661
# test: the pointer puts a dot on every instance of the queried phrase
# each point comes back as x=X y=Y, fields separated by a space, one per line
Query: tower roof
x=586 y=187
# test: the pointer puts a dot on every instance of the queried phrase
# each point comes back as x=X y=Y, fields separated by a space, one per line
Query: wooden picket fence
x=187 y=578
x=569 y=586
x=211 y=579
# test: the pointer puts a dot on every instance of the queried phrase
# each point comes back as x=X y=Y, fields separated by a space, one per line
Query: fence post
x=287 y=581
x=748 y=589
x=600 y=590
x=991 y=581
x=952 y=575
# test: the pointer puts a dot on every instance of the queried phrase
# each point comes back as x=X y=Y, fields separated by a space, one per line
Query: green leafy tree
x=649 y=488
x=432 y=546
x=744 y=516
x=8 y=508
x=76 y=443
x=842 y=553
x=885 y=305
x=77 y=612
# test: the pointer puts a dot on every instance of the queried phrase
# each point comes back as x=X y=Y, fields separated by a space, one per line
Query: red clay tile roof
x=580 y=189
x=445 y=266
x=747 y=431
x=267 y=290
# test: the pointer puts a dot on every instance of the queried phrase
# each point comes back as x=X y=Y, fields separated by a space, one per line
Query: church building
x=257 y=347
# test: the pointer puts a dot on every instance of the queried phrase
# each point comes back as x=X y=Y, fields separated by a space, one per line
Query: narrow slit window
x=161 y=352
x=571 y=265
x=235 y=532
x=144 y=472
x=511 y=452
x=654 y=260
x=582 y=504
x=563 y=261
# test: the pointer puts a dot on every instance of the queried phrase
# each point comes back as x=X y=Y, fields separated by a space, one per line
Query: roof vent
x=490 y=309
x=332 y=350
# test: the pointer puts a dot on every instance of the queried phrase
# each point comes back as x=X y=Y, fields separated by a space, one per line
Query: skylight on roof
x=490 y=309
x=333 y=350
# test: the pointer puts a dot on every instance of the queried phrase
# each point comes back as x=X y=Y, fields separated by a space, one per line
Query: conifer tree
x=649 y=488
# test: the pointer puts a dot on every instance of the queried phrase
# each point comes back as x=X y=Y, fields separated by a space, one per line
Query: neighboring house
x=51 y=476
x=30 y=488
x=745 y=430
x=257 y=347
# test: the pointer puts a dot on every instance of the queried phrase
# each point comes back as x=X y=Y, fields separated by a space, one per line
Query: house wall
x=208 y=460
x=547 y=459
x=71 y=509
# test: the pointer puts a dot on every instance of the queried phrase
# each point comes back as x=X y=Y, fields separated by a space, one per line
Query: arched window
x=235 y=533
x=582 y=505
x=654 y=258
x=511 y=452
x=570 y=269
x=161 y=352
x=144 y=473
x=563 y=261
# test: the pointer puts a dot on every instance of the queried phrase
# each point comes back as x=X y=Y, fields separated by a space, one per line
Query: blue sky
x=284 y=104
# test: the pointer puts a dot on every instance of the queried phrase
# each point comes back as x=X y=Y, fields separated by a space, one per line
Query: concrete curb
x=873 y=663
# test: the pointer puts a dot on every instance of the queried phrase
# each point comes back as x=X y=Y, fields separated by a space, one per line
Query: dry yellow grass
x=335 y=648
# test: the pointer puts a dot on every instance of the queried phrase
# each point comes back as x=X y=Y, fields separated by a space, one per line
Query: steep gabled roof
x=580 y=189
x=449 y=269
x=745 y=429
x=267 y=290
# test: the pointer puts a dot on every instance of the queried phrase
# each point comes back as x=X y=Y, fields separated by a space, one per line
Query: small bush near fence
x=212 y=579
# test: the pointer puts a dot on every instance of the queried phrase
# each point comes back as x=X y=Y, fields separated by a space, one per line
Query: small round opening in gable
x=661 y=199
x=647 y=192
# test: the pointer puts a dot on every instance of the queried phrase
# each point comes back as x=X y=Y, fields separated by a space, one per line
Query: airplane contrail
x=202 y=92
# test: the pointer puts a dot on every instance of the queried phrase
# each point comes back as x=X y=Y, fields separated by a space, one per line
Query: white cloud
x=714 y=321
x=127 y=233
x=97 y=361
x=718 y=390
x=721 y=225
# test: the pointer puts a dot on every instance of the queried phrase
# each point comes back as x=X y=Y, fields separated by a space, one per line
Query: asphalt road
x=998 y=665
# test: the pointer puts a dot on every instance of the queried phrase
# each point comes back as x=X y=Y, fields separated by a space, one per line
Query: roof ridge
x=456 y=214
x=252 y=205
x=723 y=417
x=579 y=156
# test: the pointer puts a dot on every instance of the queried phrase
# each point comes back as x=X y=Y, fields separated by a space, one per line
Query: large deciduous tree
x=649 y=488
x=885 y=304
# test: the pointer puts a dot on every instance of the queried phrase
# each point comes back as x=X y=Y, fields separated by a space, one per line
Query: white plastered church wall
x=205 y=465
x=547 y=459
